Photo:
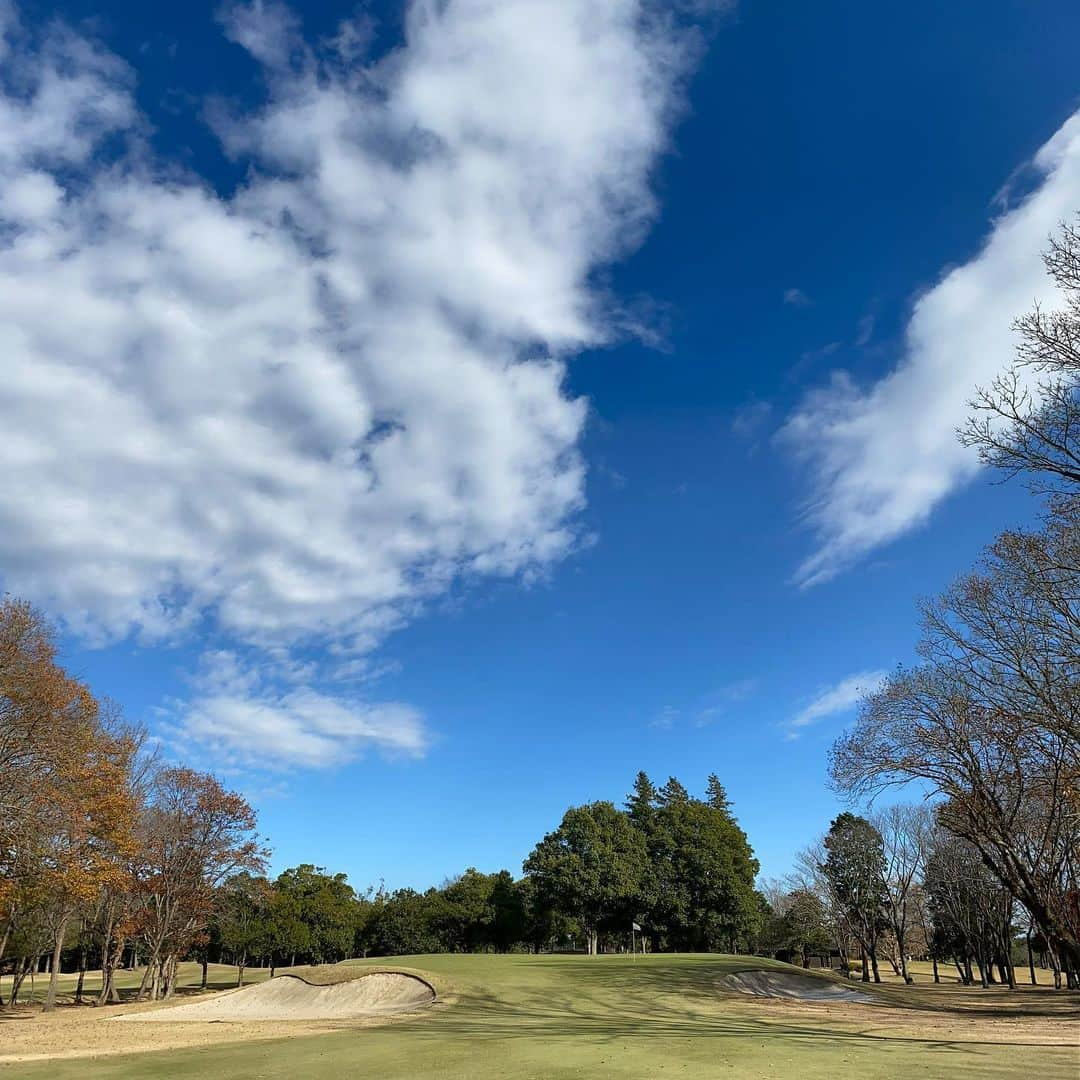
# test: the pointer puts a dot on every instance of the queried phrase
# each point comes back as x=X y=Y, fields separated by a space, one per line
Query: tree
x=44 y=717
x=988 y=722
x=467 y=913
x=509 y=915
x=970 y=911
x=804 y=925
x=642 y=802
x=403 y=924
x=315 y=913
x=716 y=795
x=673 y=793
x=905 y=833
x=702 y=871
x=89 y=821
x=592 y=867
x=243 y=918
x=48 y=721
x=1028 y=419
x=194 y=835
x=855 y=868
x=66 y=814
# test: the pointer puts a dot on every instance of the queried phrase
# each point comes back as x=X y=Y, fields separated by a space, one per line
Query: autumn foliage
x=98 y=841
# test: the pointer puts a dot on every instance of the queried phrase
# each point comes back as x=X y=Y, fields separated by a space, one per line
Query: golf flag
x=634 y=926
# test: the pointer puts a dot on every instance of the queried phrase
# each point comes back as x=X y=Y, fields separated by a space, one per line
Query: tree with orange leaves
x=193 y=834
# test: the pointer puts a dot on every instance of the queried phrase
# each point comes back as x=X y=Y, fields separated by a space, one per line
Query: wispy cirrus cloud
x=835 y=700
x=881 y=457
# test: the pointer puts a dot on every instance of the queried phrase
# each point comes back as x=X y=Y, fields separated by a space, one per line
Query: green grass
x=608 y=1016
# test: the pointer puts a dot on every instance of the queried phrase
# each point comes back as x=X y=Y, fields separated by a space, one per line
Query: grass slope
x=571 y=1016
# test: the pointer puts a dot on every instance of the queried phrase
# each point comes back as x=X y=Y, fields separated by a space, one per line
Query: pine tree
x=716 y=796
x=673 y=793
x=641 y=802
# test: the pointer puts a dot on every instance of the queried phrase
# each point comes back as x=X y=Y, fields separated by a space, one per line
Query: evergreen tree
x=673 y=793
x=855 y=869
x=716 y=796
x=594 y=868
x=641 y=803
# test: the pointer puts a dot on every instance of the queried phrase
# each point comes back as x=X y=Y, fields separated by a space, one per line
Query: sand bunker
x=784 y=984
x=289 y=998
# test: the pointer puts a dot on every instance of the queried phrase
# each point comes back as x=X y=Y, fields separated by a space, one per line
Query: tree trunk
x=146 y=982
x=82 y=970
x=205 y=965
x=937 y=976
x=109 y=993
x=240 y=969
x=18 y=976
x=1031 y=959
x=54 y=966
x=168 y=976
x=865 y=966
x=3 y=947
x=4 y=939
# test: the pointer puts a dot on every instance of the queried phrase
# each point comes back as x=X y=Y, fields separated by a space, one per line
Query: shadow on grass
x=605 y=1002
x=704 y=983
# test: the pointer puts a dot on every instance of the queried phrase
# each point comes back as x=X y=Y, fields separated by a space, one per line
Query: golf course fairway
x=610 y=1016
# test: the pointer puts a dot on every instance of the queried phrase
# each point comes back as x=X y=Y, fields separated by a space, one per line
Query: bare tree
x=1028 y=419
x=989 y=723
x=905 y=832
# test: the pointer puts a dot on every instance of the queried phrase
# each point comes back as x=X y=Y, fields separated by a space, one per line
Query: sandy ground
x=886 y=1021
x=28 y=1034
x=85 y=1032
x=779 y=984
x=290 y=998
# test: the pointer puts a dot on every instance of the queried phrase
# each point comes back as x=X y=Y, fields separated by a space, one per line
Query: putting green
x=610 y=1016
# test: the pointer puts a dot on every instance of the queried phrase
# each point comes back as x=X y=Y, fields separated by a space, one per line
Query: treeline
x=111 y=858
x=309 y=916
x=103 y=848
x=897 y=885
x=988 y=723
x=677 y=866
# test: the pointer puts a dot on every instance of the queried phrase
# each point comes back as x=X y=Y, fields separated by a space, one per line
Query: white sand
x=289 y=998
x=784 y=984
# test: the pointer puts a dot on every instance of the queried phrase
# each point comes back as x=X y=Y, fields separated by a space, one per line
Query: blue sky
x=429 y=423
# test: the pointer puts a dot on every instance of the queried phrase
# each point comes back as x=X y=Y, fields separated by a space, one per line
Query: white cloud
x=750 y=418
x=841 y=698
x=293 y=413
x=796 y=298
x=665 y=718
x=882 y=457
x=239 y=720
x=242 y=718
